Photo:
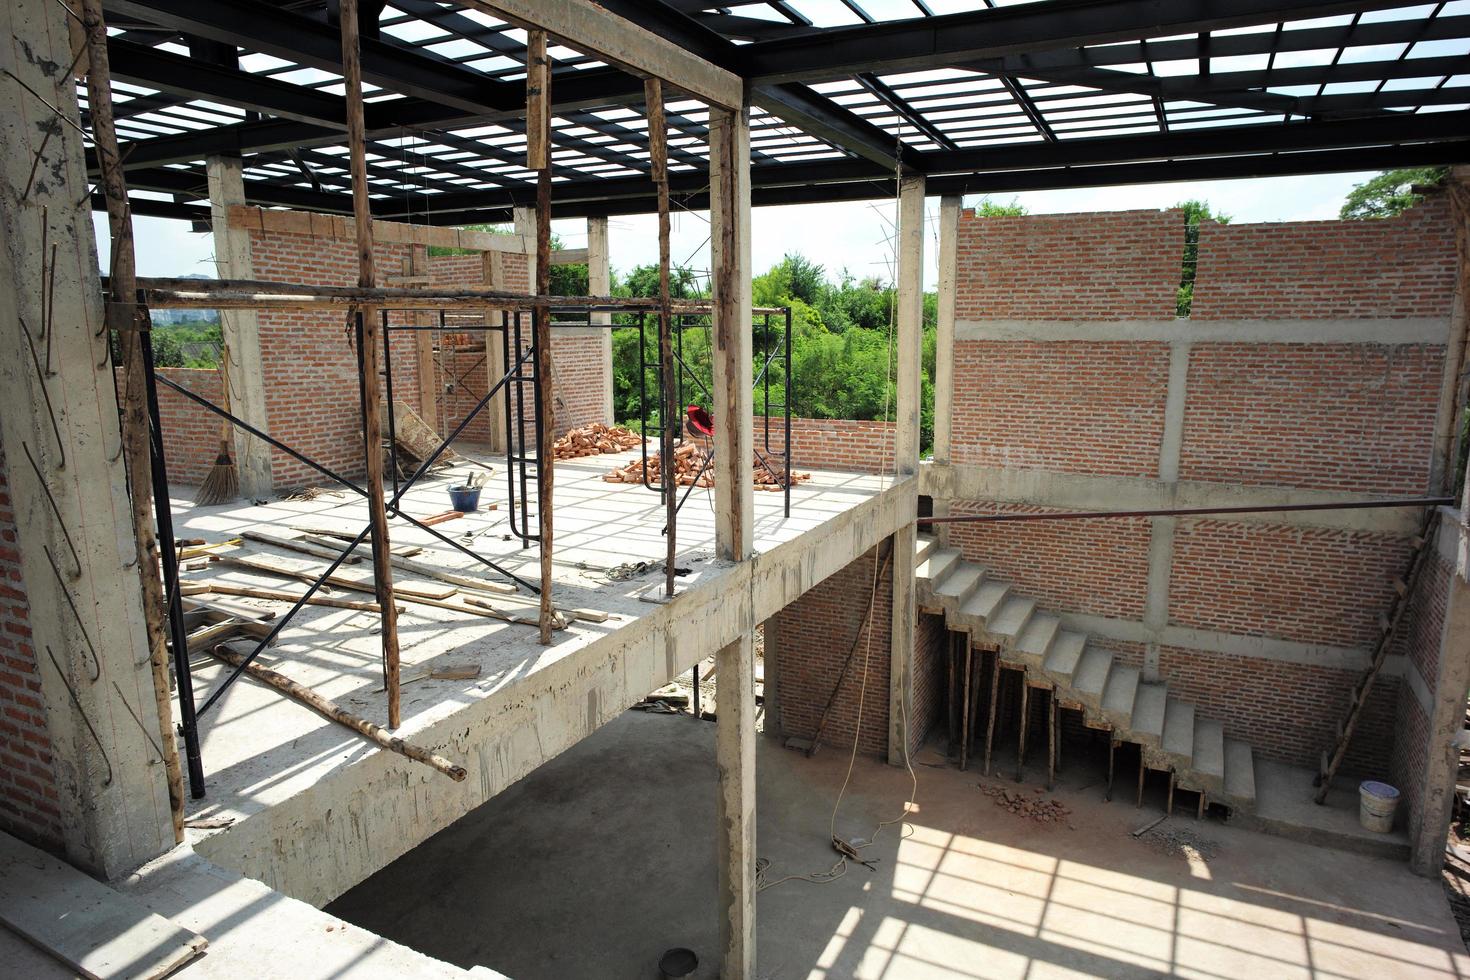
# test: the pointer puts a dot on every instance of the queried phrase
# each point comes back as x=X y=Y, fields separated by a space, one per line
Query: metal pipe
x=1187 y=511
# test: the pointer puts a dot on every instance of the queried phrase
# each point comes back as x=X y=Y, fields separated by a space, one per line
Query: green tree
x=1390 y=193
x=1194 y=213
x=986 y=208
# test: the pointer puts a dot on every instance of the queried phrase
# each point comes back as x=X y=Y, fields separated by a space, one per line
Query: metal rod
x=1187 y=511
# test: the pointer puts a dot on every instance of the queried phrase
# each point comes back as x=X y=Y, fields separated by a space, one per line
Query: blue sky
x=851 y=235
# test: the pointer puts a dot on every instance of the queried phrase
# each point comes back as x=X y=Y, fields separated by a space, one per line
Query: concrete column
x=88 y=646
x=423 y=343
x=910 y=344
x=949 y=240
x=524 y=220
x=492 y=274
x=1447 y=715
x=241 y=328
x=734 y=530
x=599 y=283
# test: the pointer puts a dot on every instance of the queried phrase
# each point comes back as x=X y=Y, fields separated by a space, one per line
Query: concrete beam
x=910 y=346
x=1379 y=331
x=599 y=283
x=729 y=157
x=336 y=226
x=240 y=328
x=60 y=438
x=595 y=30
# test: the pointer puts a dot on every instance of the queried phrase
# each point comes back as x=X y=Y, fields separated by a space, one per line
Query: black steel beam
x=819 y=116
x=927 y=42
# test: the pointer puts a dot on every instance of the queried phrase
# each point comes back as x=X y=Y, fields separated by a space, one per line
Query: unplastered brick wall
x=310 y=359
x=1118 y=265
x=1312 y=361
x=190 y=432
x=1390 y=268
x=1072 y=407
x=809 y=641
x=847 y=445
x=28 y=779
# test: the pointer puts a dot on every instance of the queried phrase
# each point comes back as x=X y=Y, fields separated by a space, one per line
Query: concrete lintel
x=1076 y=491
x=1213 y=641
x=1407 y=330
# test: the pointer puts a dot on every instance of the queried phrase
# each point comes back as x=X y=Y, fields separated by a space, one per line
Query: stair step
x=1207 y=772
x=986 y=600
x=1036 y=639
x=1011 y=618
x=1066 y=652
x=961 y=582
x=1178 y=741
x=933 y=569
x=1148 y=712
x=1240 y=773
x=1119 y=695
x=1091 y=676
x=924 y=545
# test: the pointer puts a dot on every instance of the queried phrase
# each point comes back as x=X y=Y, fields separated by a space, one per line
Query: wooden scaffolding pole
x=658 y=148
x=538 y=158
x=371 y=341
x=121 y=316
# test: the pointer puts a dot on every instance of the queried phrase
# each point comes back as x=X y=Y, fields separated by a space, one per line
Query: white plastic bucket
x=1377 y=803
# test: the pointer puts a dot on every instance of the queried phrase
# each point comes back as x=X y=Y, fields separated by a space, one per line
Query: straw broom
x=223 y=482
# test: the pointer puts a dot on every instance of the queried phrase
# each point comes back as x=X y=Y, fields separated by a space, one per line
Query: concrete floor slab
x=317 y=809
x=597 y=862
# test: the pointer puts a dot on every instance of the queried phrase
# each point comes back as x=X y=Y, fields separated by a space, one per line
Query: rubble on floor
x=690 y=469
x=1028 y=805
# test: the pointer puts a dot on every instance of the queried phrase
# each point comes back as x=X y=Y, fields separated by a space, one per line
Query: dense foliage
x=1194 y=213
x=1390 y=193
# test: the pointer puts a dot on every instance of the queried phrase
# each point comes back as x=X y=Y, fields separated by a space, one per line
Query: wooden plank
x=98 y=932
x=355 y=579
x=653 y=97
x=538 y=136
x=538 y=103
x=570 y=256
x=593 y=29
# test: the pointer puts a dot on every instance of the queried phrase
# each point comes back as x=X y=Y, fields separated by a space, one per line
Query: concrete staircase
x=1113 y=696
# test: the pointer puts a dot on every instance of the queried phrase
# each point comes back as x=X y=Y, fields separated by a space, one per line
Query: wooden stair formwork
x=1112 y=696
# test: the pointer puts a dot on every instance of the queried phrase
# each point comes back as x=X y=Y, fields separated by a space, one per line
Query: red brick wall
x=1069 y=407
x=311 y=375
x=1287 y=711
x=1313 y=585
x=28 y=797
x=190 y=432
x=1351 y=417
x=857 y=446
x=1093 y=567
x=1395 y=267
x=1118 y=265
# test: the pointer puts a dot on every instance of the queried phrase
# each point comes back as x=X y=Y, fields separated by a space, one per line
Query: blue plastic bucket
x=465 y=499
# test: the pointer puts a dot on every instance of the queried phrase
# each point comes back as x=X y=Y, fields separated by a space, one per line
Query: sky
x=852 y=235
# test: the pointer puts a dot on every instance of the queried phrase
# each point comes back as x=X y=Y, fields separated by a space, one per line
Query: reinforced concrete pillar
x=910 y=348
x=240 y=328
x=599 y=283
x=734 y=530
x=83 y=713
x=949 y=237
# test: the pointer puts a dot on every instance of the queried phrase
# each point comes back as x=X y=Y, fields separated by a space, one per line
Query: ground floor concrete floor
x=600 y=860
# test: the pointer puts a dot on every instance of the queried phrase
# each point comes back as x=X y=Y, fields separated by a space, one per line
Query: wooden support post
x=240 y=329
x=1169 y=807
x=599 y=283
x=994 y=703
x=1142 y=771
x=423 y=341
x=1051 y=739
x=949 y=231
x=362 y=216
x=669 y=415
x=122 y=318
x=1021 y=729
x=729 y=143
x=538 y=158
x=952 y=697
x=1112 y=758
x=965 y=714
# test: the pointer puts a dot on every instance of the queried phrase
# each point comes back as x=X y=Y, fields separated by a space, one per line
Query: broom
x=223 y=482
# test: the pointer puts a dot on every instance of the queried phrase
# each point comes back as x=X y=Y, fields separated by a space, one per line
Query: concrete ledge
x=1409 y=330
x=371 y=806
x=1075 y=491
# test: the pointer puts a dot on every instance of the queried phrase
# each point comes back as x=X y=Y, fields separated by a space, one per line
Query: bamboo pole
x=335 y=712
x=658 y=150
x=994 y=701
x=1025 y=717
x=121 y=315
x=538 y=158
x=371 y=341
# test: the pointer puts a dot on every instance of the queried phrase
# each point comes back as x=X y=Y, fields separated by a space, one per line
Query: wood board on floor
x=98 y=932
x=359 y=579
